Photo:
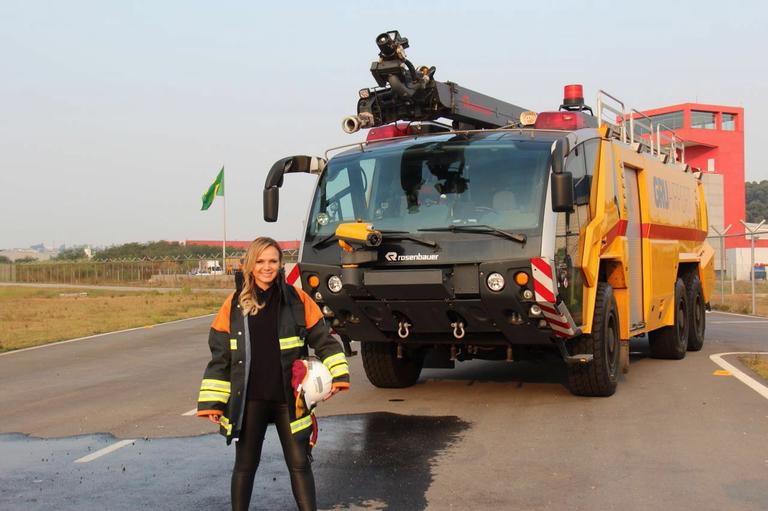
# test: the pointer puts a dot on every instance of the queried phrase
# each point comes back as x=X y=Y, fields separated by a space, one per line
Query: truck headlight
x=334 y=283
x=495 y=282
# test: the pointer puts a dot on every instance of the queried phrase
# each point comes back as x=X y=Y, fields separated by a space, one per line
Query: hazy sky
x=116 y=116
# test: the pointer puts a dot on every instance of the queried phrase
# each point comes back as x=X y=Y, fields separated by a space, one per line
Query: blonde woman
x=262 y=328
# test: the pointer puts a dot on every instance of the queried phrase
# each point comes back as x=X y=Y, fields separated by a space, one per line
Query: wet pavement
x=370 y=461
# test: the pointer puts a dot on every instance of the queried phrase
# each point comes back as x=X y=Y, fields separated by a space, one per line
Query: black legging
x=248 y=453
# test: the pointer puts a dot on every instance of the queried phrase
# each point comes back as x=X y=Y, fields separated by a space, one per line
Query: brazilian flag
x=217 y=188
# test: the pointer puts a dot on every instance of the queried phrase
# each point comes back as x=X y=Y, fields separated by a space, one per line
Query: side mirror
x=562 y=192
x=558 y=155
x=271 y=203
x=306 y=164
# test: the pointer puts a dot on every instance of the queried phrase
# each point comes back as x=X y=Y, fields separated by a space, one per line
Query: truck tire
x=599 y=377
x=671 y=342
x=697 y=311
x=385 y=370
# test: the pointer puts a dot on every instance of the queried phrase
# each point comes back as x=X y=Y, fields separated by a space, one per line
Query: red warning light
x=398 y=129
x=573 y=95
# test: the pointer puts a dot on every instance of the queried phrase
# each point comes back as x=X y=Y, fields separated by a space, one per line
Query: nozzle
x=351 y=124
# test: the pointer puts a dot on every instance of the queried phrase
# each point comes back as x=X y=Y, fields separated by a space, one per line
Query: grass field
x=33 y=316
x=740 y=300
x=758 y=363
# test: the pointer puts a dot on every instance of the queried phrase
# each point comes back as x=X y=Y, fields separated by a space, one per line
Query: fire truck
x=464 y=227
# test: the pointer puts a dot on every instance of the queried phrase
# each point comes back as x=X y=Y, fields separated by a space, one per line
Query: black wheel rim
x=612 y=346
x=698 y=316
x=682 y=320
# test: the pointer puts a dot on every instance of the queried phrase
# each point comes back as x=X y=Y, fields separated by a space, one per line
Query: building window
x=703 y=120
x=729 y=122
x=672 y=120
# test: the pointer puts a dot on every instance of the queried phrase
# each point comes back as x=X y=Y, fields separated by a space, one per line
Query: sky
x=115 y=117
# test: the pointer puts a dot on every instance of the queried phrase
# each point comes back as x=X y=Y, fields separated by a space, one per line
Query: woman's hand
x=214 y=418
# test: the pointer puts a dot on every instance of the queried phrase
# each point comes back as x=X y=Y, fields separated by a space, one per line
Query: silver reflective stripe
x=247 y=342
x=334 y=360
x=287 y=343
x=339 y=370
x=301 y=424
x=210 y=395
x=219 y=385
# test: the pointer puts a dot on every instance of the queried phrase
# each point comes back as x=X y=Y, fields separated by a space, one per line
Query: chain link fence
x=740 y=274
x=159 y=272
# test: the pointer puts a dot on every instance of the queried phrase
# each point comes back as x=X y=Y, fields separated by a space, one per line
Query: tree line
x=757 y=201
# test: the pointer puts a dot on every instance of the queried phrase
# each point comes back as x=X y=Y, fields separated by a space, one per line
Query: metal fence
x=740 y=276
x=137 y=271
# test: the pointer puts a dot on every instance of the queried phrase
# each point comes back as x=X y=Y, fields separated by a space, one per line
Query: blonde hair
x=247 y=300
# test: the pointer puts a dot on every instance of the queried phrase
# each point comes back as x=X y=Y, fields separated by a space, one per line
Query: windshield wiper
x=482 y=229
x=325 y=240
x=386 y=235
x=404 y=235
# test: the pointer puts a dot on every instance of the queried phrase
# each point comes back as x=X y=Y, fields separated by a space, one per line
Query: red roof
x=285 y=245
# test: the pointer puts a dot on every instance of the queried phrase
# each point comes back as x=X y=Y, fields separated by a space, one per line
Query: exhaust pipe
x=351 y=124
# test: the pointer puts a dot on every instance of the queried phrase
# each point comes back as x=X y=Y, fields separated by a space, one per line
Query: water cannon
x=407 y=93
x=356 y=239
x=357 y=235
x=391 y=44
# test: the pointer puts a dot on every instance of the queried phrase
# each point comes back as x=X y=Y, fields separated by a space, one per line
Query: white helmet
x=317 y=384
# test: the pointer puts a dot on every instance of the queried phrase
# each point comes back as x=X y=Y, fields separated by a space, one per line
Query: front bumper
x=374 y=303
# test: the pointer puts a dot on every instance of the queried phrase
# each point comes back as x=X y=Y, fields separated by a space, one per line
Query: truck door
x=635 y=246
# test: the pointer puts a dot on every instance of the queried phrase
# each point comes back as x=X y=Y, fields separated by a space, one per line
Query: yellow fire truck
x=502 y=232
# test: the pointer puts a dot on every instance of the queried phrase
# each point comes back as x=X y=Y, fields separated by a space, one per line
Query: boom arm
x=405 y=93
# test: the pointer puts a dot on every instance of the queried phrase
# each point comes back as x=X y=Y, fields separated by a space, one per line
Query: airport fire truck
x=465 y=227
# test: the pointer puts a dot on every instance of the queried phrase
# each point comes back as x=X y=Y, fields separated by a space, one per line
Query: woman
x=262 y=328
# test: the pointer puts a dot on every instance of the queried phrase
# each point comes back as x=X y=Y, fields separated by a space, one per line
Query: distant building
x=714 y=143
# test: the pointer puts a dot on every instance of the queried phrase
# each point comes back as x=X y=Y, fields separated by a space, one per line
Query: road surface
x=487 y=435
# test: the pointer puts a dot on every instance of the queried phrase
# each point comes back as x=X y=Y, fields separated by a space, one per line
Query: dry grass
x=32 y=316
x=741 y=301
x=758 y=363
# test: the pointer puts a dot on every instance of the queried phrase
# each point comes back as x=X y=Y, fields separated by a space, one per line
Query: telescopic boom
x=405 y=93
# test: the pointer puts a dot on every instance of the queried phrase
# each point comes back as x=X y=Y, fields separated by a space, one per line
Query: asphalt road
x=677 y=434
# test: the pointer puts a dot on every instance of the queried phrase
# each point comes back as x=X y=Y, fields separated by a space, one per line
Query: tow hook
x=458 y=329
x=578 y=359
x=403 y=329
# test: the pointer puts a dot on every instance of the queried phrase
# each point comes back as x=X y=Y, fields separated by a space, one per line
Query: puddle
x=368 y=461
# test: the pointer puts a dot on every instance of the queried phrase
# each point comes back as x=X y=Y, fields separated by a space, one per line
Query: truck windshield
x=494 y=179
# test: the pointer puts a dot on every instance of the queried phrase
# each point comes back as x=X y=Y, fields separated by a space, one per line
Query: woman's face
x=266 y=267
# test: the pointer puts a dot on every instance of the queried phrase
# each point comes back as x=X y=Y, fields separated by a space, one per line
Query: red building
x=714 y=143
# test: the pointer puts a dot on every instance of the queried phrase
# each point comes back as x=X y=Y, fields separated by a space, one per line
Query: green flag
x=217 y=188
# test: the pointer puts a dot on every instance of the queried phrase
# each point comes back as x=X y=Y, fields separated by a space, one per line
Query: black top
x=265 y=380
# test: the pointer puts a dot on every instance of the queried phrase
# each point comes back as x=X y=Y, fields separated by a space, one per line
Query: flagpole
x=224 y=243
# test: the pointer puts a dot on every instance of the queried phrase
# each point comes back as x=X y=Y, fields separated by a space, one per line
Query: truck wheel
x=599 y=377
x=385 y=370
x=696 y=314
x=671 y=342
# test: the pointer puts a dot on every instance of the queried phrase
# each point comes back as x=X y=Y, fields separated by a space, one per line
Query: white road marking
x=193 y=411
x=739 y=321
x=101 y=335
x=744 y=378
x=106 y=450
x=739 y=315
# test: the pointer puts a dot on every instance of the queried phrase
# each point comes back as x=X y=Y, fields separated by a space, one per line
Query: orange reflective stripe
x=312 y=313
x=221 y=321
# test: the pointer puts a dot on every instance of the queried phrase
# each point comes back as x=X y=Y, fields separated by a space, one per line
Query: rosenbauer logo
x=395 y=257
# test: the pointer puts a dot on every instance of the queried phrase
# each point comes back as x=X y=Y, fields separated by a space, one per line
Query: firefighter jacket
x=225 y=381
